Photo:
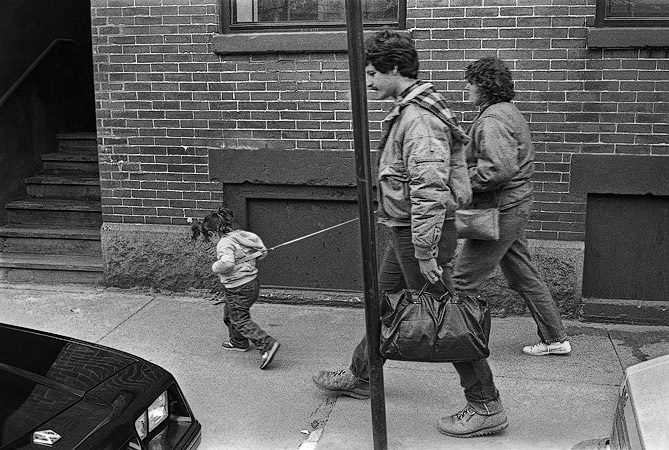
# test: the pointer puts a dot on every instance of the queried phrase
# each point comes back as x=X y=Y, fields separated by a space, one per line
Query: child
x=240 y=282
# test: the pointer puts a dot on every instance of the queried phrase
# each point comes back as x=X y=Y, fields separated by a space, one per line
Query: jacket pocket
x=395 y=196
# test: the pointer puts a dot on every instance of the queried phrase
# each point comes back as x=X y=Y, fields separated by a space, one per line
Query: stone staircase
x=53 y=234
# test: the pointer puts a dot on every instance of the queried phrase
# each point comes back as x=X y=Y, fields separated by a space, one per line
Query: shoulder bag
x=481 y=224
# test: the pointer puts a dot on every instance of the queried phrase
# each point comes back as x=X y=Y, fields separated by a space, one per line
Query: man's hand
x=430 y=269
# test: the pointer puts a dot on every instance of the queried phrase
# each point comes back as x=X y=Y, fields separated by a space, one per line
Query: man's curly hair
x=389 y=48
x=493 y=79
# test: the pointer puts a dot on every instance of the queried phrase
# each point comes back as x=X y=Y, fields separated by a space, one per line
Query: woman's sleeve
x=497 y=152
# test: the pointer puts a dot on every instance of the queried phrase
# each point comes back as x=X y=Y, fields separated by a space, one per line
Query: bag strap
x=427 y=283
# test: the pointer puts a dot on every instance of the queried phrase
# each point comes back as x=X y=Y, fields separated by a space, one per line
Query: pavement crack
x=317 y=422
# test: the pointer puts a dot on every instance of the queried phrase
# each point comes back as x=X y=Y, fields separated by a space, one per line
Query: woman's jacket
x=500 y=157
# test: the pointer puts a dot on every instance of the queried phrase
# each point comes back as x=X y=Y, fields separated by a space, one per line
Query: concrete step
x=44 y=268
x=50 y=240
x=63 y=186
x=78 y=143
x=53 y=235
x=62 y=163
x=55 y=212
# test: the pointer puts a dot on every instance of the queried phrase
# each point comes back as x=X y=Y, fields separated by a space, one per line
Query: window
x=276 y=15
x=632 y=13
x=630 y=24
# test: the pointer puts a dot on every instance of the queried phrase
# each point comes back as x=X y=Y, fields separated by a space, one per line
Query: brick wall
x=164 y=99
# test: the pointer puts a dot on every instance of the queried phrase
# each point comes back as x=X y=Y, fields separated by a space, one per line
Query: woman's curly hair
x=219 y=222
x=389 y=48
x=493 y=79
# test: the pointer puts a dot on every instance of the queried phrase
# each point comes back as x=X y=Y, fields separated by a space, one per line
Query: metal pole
x=367 y=223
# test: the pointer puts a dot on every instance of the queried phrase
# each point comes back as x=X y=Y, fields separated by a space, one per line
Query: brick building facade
x=183 y=109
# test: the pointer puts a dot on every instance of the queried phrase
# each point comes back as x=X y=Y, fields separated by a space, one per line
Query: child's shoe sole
x=268 y=356
x=228 y=346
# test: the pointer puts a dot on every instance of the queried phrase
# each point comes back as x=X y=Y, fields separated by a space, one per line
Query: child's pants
x=238 y=317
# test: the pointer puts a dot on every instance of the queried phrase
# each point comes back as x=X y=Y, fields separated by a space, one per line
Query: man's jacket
x=422 y=172
x=500 y=157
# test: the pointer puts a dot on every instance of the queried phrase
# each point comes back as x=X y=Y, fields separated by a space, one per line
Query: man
x=422 y=180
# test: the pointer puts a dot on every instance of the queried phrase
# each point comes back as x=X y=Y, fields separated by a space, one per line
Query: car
x=63 y=393
x=640 y=419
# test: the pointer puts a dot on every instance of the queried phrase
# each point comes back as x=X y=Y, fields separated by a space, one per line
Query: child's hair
x=219 y=222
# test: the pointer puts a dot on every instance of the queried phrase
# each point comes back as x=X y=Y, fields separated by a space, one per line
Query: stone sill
x=632 y=37
x=282 y=42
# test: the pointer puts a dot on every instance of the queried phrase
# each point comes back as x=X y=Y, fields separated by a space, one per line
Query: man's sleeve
x=426 y=143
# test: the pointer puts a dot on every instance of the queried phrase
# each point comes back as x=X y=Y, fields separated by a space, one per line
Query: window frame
x=602 y=22
x=228 y=28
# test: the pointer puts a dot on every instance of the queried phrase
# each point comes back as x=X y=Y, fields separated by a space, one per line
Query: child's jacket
x=231 y=248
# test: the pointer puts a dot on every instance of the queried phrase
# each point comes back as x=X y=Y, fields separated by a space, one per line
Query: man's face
x=385 y=84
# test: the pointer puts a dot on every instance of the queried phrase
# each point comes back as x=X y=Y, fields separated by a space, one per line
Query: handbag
x=481 y=224
x=416 y=326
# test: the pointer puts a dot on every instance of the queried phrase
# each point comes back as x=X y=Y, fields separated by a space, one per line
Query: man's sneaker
x=540 y=349
x=268 y=355
x=468 y=423
x=227 y=345
x=342 y=382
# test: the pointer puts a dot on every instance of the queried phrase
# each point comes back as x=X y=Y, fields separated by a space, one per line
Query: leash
x=257 y=254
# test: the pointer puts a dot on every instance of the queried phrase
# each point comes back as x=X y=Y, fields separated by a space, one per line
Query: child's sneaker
x=268 y=356
x=227 y=345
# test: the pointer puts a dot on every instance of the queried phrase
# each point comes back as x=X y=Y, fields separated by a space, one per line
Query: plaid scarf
x=427 y=98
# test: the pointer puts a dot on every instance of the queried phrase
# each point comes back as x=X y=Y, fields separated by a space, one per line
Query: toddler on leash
x=236 y=267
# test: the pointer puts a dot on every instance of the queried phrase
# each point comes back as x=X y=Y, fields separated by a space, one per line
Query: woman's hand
x=430 y=269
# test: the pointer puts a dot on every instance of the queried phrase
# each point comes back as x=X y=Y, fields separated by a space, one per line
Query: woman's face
x=474 y=96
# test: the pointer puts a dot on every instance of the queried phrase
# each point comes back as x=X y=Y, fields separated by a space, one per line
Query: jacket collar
x=415 y=89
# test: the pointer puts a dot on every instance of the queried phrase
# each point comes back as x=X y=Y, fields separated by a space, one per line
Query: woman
x=500 y=159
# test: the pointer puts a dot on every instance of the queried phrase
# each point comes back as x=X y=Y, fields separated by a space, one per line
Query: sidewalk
x=552 y=402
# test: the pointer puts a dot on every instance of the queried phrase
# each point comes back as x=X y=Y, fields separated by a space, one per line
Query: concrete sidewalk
x=552 y=402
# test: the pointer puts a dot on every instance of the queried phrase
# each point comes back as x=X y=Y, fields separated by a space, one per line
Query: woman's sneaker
x=268 y=355
x=227 y=345
x=540 y=349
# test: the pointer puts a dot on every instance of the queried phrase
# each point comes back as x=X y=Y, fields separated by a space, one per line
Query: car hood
x=42 y=375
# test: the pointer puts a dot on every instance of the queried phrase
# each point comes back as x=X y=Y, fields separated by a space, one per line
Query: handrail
x=32 y=67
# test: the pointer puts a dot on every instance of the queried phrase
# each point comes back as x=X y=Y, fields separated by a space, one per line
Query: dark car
x=62 y=393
